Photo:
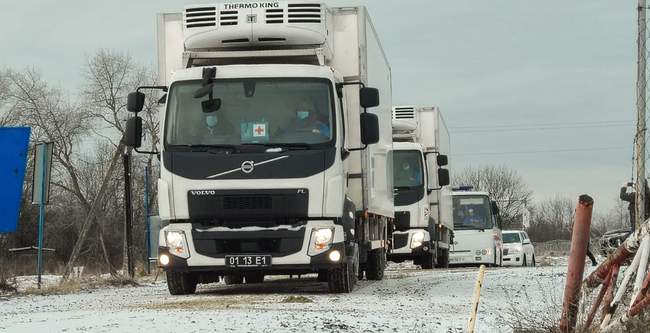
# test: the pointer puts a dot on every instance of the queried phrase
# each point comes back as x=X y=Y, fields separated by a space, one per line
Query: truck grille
x=229 y=17
x=251 y=202
x=403 y=113
x=277 y=243
x=402 y=220
x=198 y=17
x=304 y=13
x=275 y=16
x=400 y=240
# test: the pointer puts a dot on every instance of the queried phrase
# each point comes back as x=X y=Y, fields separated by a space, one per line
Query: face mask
x=211 y=121
x=302 y=115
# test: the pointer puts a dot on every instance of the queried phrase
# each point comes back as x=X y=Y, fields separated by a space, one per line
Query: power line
x=570 y=150
x=603 y=122
x=508 y=129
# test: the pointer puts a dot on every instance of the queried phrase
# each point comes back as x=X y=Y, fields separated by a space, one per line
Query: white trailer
x=275 y=150
x=423 y=228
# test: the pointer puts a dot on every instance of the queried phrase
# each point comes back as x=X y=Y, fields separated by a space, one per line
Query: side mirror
x=133 y=134
x=443 y=177
x=495 y=208
x=369 y=128
x=135 y=101
x=526 y=242
x=369 y=97
x=442 y=160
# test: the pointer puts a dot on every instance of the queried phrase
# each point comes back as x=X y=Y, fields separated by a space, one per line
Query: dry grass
x=6 y=287
x=545 y=319
x=72 y=286
x=202 y=303
x=297 y=299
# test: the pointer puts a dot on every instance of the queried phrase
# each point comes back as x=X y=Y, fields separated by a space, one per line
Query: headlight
x=417 y=239
x=177 y=244
x=321 y=239
x=516 y=249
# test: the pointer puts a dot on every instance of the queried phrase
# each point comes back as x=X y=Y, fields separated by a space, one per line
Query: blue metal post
x=146 y=216
x=41 y=213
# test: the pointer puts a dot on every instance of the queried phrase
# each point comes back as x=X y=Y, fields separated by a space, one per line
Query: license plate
x=248 y=261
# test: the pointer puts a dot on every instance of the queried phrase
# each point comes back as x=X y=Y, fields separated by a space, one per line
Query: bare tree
x=8 y=114
x=503 y=184
x=55 y=118
x=552 y=219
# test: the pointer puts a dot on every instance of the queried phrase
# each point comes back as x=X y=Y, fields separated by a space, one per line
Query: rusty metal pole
x=641 y=87
x=577 y=255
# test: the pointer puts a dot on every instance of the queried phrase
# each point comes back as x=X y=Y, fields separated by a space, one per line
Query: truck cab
x=423 y=228
x=274 y=144
x=477 y=229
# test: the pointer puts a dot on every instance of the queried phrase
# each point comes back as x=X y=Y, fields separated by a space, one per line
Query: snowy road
x=408 y=299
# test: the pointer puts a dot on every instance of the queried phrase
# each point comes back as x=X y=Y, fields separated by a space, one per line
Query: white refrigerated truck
x=423 y=225
x=275 y=153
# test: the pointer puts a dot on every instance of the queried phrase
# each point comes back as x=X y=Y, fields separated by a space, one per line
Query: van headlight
x=177 y=244
x=417 y=239
x=321 y=240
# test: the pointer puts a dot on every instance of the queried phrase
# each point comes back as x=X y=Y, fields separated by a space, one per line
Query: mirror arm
x=363 y=85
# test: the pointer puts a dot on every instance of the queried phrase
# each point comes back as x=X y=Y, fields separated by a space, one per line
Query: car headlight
x=321 y=240
x=417 y=239
x=516 y=249
x=177 y=244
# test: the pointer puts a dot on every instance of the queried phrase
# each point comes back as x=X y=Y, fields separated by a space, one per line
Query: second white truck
x=423 y=228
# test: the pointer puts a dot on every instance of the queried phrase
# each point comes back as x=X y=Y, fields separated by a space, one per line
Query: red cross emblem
x=259 y=130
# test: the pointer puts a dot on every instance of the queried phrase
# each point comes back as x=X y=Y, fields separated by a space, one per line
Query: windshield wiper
x=208 y=148
x=281 y=146
x=468 y=227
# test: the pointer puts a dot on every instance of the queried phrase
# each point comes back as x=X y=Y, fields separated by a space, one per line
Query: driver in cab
x=472 y=219
x=309 y=120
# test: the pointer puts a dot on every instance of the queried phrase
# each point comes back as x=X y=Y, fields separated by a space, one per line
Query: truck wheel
x=443 y=258
x=233 y=279
x=428 y=261
x=256 y=277
x=376 y=265
x=341 y=280
x=181 y=283
x=322 y=276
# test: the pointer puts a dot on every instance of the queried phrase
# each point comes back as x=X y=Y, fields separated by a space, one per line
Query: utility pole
x=641 y=110
x=128 y=214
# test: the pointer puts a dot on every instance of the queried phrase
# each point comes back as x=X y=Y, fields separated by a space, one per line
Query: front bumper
x=317 y=263
x=465 y=258
x=402 y=249
x=288 y=247
x=513 y=260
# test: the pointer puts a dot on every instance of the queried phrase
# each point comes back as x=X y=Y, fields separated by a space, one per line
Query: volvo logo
x=247 y=167
x=197 y=193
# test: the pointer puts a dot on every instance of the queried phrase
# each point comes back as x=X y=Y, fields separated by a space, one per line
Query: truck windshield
x=407 y=169
x=511 y=238
x=265 y=112
x=472 y=212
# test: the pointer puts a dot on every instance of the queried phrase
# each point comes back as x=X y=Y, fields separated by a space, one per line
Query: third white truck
x=423 y=228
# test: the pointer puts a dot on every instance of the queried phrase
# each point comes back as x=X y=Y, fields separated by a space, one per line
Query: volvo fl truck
x=423 y=207
x=276 y=139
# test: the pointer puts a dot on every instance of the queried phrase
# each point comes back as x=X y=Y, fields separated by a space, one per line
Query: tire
x=534 y=263
x=376 y=265
x=428 y=261
x=443 y=259
x=254 y=278
x=181 y=283
x=322 y=276
x=360 y=275
x=524 y=263
x=232 y=279
x=341 y=280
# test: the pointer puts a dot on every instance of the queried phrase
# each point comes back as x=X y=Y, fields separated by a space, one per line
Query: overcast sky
x=520 y=83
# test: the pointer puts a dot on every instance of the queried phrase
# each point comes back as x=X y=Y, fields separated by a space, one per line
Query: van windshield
x=511 y=238
x=251 y=111
x=472 y=212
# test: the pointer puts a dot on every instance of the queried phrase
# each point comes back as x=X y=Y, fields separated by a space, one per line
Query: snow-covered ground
x=408 y=299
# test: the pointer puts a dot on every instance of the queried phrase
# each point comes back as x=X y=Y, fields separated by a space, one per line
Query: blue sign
x=14 y=145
